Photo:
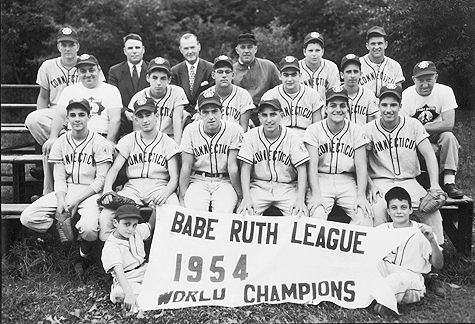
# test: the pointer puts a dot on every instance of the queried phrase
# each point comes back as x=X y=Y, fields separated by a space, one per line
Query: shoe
x=63 y=225
x=383 y=311
x=453 y=191
x=37 y=173
x=438 y=287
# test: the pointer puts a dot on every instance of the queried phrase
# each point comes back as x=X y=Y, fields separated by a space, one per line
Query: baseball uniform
x=429 y=109
x=297 y=108
x=209 y=181
x=374 y=76
x=362 y=105
x=274 y=167
x=81 y=165
x=235 y=104
x=325 y=77
x=393 y=161
x=336 y=165
x=175 y=96
x=54 y=77
x=147 y=172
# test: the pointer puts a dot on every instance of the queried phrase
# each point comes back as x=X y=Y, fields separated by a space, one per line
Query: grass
x=39 y=284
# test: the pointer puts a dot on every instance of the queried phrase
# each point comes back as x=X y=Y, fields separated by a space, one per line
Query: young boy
x=337 y=171
x=402 y=268
x=123 y=255
x=274 y=165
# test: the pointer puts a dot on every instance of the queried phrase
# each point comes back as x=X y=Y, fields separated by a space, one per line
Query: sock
x=449 y=178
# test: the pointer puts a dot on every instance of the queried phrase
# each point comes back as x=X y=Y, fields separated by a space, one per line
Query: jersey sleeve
x=420 y=132
x=373 y=109
x=311 y=135
x=333 y=75
x=102 y=150
x=42 y=77
x=360 y=138
x=237 y=135
x=367 y=128
x=115 y=98
x=399 y=75
x=170 y=147
x=111 y=256
x=56 y=153
x=181 y=98
x=247 y=103
x=298 y=152
x=246 y=151
x=125 y=145
x=186 y=138
x=143 y=231
x=317 y=101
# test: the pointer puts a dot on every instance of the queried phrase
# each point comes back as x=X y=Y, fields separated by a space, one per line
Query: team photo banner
x=201 y=258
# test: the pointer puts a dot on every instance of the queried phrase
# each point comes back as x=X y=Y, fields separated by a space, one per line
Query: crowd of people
x=241 y=137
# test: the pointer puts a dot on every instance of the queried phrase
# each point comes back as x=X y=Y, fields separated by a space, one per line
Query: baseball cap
x=397 y=193
x=289 y=62
x=159 y=63
x=375 y=30
x=273 y=103
x=223 y=58
x=79 y=103
x=144 y=104
x=391 y=89
x=208 y=97
x=87 y=59
x=336 y=92
x=246 y=38
x=67 y=34
x=349 y=58
x=424 y=67
x=313 y=36
x=128 y=211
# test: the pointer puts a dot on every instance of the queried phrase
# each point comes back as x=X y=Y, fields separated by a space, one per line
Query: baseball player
x=273 y=170
x=151 y=165
x=301 y=105
x=393 y=160
x=236 y=102
x=318 y=73
x=209 y=177
x=378 y=70
x=363 y=103
x=337 y=169
x=169 y=99
x=81 y=160
x=434 y=104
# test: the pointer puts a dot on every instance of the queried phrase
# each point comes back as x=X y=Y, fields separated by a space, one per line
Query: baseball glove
x=117 y=200
x=432 y=201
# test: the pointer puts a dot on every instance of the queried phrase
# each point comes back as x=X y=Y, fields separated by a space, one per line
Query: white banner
x=200 y=258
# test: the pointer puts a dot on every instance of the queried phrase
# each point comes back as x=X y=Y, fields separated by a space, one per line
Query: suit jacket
x=119 y=75
x=181 y=78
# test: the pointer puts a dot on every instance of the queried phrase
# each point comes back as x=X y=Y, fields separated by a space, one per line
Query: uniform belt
x=135 y=267
x=212 y=175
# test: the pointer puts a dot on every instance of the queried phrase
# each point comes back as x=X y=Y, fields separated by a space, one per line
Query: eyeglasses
x=224 y=71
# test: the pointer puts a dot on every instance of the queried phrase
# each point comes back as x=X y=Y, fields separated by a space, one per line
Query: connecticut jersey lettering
x=374 y=76
x=273 y=161
x=362 y=105
x=211 y=152
x=393 y=153
x=174 y=97
x=336 y=152
x=147 y=160
x=324 y=78
x=297 y=109
x=236 y=103
x=80 y=158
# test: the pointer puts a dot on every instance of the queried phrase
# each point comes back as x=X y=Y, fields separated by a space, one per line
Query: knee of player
x=447 y=137
x=89 y=232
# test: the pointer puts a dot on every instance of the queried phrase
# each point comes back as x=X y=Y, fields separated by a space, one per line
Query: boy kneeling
x=123 y=254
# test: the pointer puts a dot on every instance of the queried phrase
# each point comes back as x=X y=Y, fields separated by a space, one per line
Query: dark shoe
x=383 y=311
x=438 y=287
x=452 y=191
x=37 y=173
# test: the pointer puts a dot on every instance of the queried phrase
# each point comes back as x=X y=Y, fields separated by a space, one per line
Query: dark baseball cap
x=336 y=92
x=144 y=104
x=289 y=62
x=391 y=89
x=242 y=38
x=349 y=58
x=79 y=103
x=423 y=68
x=375 y=30
x=208 y=97
x=128 y=211
x=223 y=58
x=67 y=34
x=159 y=63
x=313 y=36
x=397 y=193
x=86 y=59
x=273 y=103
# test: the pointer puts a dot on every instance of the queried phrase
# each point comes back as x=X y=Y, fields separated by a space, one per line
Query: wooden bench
x=457 y=219
x=18 y=172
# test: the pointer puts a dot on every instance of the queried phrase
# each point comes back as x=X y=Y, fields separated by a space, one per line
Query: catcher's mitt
x=116 y=202
x=432 y=201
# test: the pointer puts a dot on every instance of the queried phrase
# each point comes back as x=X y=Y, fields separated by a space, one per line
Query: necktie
x=192 y=77
x=135 y=78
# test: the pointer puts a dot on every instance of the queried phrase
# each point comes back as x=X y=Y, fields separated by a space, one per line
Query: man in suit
x=129 y=77
x=193 y=74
